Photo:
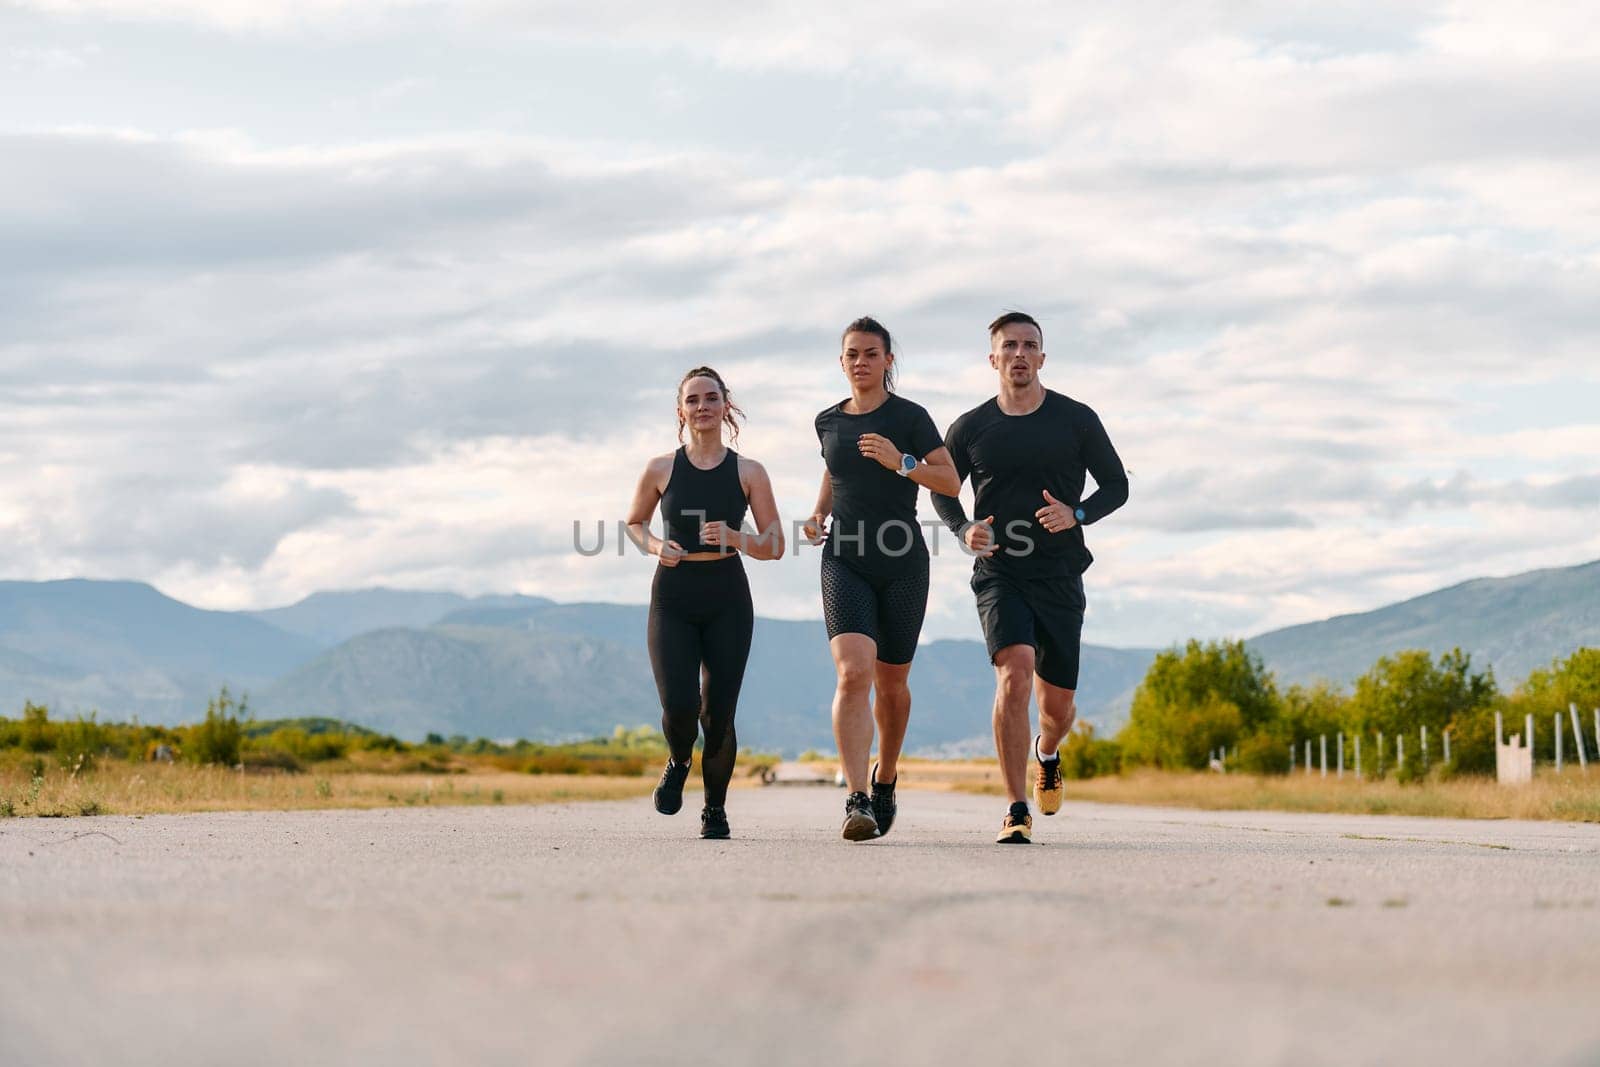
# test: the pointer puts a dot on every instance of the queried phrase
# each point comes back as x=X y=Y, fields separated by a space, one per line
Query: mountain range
x=414 y=662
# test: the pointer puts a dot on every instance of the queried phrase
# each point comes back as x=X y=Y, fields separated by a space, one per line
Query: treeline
x=229 y=736
x=1217 y=696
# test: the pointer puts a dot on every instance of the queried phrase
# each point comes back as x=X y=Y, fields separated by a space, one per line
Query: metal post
x=1447 y=748
x=1558 y=742
x=1424 y=748
x=1499 y=730
x=1308 y=755
x=1577 y=738
x=1528 y=733
x=1324 y=755
x=1358 y=758
x=1399 y=753
x=1380 y=753
x=1341 y=754
x=1291 y=757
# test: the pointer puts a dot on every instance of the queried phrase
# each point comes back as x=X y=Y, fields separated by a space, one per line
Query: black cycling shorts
x=888 y=610
x=1046 y=613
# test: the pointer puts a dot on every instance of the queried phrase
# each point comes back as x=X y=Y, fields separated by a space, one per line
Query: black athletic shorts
x=888 y=610
x=1046 y=613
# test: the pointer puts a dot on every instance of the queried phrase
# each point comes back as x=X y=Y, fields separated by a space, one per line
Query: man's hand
x=1055 y=516
x=670 y=552
x=813 y=530
x=875 y=446
x=979 y=537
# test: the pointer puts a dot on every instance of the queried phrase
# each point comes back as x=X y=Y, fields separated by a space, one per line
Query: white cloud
x=1290 y=258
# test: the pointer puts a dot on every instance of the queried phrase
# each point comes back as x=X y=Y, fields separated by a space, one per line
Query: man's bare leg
x=1057 y=712
x=1013 y=671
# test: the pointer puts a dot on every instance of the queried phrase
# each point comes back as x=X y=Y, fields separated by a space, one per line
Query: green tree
x=1406 y=691
x=1192 y=702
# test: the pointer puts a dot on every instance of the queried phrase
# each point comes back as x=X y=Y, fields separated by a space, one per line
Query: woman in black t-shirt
x=878 y=448
x=701 y=618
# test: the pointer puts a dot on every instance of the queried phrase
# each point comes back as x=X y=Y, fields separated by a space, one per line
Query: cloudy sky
x=357 y=292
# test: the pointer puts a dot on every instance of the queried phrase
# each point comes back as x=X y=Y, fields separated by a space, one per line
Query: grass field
x=1570 y=797
x=121 y=788
x=147 y=789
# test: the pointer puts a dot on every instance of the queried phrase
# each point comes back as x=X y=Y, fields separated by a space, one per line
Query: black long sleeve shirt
x=1012 y=460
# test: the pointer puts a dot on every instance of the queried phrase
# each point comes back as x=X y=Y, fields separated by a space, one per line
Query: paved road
x=603 y=933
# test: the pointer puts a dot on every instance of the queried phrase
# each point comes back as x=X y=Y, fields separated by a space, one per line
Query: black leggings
x=701 y=619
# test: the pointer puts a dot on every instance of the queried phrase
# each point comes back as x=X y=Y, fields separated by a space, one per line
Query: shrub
x=1263 y=753
x=78 y=741
x=218 y=738
x=1472 y=744
x=37 y=733
x=1083 y=755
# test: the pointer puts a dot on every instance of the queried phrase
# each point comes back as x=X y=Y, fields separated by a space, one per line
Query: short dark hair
x=868 y=324
x=1011 y=318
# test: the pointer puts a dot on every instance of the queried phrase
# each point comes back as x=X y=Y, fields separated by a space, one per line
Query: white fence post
x=1558 y=742
x=1447 y=747
x=1380 y=753
x=1308 y=755
x=1528 y=733
x=1399 y=753
x=1577 y=738
x=1358 y=757
x=1424 y=748
x=1341 y=754
x=1324 y=755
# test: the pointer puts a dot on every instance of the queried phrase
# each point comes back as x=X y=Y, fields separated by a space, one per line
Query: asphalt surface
x=604 y=933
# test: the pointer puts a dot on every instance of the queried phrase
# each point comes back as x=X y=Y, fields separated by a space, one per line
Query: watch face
x=1077 y=513
x=908 y=463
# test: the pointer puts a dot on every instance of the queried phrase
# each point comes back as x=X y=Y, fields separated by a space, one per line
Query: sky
x=348 y=293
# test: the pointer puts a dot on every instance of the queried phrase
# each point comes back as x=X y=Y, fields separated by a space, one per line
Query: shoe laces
x=857 y=802
x=1050 y=772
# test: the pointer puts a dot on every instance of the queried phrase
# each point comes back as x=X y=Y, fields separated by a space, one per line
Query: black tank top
x=694 y=497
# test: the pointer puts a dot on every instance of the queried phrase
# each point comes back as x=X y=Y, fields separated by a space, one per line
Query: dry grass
x=1570 y=797
x=148 y=789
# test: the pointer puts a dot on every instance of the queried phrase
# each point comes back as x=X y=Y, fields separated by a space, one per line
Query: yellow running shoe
x=1046 y=781
x=1018 y=827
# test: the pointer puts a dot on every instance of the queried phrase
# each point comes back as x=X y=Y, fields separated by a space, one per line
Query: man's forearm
x=950 y=511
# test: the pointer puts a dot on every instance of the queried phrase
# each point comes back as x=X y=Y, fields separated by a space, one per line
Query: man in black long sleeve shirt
x=1027 y=451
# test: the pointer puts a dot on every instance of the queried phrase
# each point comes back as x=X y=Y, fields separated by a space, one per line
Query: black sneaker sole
x=677 y=804
x=859 y=826
x=716 y=835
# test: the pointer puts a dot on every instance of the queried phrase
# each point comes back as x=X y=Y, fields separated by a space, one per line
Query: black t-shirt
x=874 y=525
x=1012 y=459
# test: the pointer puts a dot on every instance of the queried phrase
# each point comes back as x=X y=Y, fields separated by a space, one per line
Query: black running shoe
x=1018 y=826
x=883 y=807
x=714 y=823
x=669 y=794
x=859 y=824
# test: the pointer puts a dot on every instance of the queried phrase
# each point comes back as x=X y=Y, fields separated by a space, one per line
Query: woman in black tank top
x=701 y=617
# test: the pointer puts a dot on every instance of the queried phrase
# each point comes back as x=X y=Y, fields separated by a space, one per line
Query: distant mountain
x=478 y=681
x=547 y=670
x=125 y=649
x=331 y=617
x=1512 y=624
x=412 y=663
